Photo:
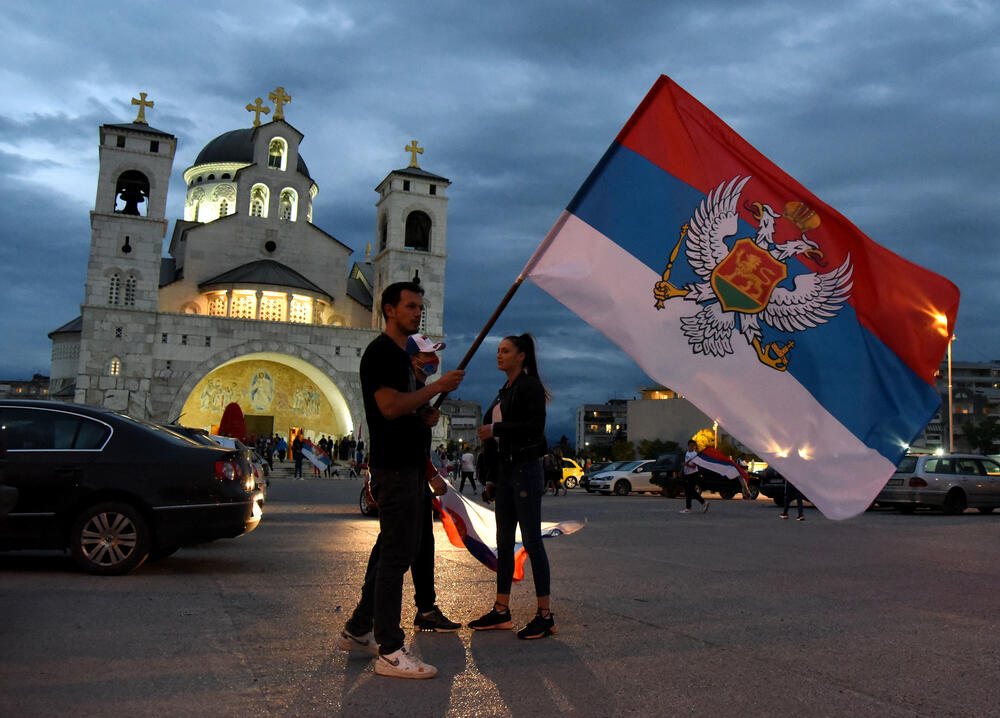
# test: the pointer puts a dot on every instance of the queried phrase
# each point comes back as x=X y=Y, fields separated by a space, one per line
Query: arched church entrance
x=278 y=394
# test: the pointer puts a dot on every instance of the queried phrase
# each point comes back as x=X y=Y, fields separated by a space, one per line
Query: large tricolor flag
x=731 y=283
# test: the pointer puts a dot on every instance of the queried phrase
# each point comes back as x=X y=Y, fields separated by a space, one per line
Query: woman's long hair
x=525 y=344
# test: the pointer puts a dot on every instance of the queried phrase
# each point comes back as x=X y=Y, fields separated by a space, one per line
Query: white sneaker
x=685 y=511
x=401 y=664
x=360 y=644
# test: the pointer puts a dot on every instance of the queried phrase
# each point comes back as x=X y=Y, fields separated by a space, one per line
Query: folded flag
x=474 y=527
x=728 y=281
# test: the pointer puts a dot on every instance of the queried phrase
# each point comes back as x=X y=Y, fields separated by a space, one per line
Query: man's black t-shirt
x=396 y=443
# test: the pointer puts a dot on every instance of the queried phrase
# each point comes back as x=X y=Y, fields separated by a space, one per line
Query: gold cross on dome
x=280 y=99
x=414 y=151
x=143 y=103
x=258 y=108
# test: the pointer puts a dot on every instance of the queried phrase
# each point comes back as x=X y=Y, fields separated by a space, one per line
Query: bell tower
x=128 y=224
x=411 y=231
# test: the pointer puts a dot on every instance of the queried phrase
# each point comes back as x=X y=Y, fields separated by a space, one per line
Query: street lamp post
x=951 y=411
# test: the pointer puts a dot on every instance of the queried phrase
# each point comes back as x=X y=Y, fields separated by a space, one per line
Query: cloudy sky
x=886 y=110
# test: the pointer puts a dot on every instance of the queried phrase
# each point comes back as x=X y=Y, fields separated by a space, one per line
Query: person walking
x=513 y=433
x=468 y=471
x=397 y=460
x=791 y=492
x=691 y=474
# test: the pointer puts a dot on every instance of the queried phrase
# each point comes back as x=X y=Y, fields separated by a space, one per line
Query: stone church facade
x=254 y=303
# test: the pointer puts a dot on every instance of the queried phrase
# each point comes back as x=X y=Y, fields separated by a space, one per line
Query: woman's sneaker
x=401 y=664
x=540 y=627
x=493 y=620
x=435 y=621
x=359 y=644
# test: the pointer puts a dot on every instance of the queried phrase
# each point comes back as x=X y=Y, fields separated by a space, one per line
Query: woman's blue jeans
x=519 y=501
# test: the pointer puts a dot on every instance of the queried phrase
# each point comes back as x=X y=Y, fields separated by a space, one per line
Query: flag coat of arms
x=728 y=281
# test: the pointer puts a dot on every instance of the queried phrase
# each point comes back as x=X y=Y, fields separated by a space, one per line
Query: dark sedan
x=113 y=490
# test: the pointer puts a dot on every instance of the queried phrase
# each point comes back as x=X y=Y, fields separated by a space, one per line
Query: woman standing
x=513 y=436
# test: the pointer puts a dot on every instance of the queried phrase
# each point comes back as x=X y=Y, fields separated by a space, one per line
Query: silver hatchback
x=952 y=482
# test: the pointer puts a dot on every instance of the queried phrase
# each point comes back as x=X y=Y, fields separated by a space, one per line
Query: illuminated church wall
x=262 y=388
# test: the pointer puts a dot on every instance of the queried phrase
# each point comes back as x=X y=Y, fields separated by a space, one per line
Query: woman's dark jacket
x=520 y=435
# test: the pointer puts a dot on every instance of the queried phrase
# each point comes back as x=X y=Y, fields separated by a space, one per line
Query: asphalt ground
x=729 y=613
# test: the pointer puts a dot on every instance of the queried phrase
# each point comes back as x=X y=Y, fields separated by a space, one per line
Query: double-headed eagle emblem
x=739 y=288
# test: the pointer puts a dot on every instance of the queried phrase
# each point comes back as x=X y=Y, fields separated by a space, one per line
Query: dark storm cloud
x=886 y=111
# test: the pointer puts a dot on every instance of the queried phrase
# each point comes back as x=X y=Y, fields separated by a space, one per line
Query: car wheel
x=752 y=493
x=727 y=494
x=622 y=487
x=670 y=492
x=110 y=539
x=365 y=504
x=778 y=502
x=954 y=502
x=986 y=509
x=570 y=482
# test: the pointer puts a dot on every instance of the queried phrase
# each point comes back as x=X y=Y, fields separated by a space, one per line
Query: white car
x=629 y=477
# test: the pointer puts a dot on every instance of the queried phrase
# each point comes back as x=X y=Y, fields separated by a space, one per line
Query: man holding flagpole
x=397 y=459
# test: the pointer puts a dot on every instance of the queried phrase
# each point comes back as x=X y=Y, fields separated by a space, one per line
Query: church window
x=258 y=201
x=114 y=288
x=434 y=189
x=226 y=175
x=208 y=341
x=383 y=234
x=244 y=305
x=277 y=152
x=418 y=231
x=118 y=332
x=120 y=141
x=129 y=291
x=217 y=305
x=115 y=367
x=272 y=306
x=131 y=190
x=300 y=310
x=154 y=145
x=406 y=185
x=357 y=351
x=184 y=339
x=163 y=338
x=211 y=177
x=223 y=208
x=287 y=205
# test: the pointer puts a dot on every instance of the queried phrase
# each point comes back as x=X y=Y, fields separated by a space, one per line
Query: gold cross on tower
x=258 y=108
x=143 y=103
x=414 y=151
x=279 y=98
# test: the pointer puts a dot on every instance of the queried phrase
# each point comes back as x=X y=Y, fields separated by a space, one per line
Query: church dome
x=236 y=146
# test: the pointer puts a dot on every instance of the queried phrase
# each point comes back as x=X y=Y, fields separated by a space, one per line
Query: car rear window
x=31 y=429
x=990 y=467
x=907 y=466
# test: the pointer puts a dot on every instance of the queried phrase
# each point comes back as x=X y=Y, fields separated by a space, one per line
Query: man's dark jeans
x=519 y=501
x=401 y=498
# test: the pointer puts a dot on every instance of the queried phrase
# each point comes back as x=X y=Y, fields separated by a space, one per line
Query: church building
x=254 y=303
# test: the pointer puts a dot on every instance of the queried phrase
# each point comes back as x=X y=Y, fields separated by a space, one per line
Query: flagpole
x=485 y=330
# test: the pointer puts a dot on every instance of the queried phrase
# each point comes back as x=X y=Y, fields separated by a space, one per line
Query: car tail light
x=917 y=483
x=226 y=470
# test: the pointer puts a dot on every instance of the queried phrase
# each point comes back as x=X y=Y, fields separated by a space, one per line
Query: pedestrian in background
x=691 y=474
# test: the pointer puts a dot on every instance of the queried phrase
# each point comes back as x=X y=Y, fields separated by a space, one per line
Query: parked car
x=115 y=490
x=595 y=469
x=572 y=472
x=772 y=485
x=630 y=476
x=257 y=464
x=952 y=483
x=665 y=473
x=672 y=483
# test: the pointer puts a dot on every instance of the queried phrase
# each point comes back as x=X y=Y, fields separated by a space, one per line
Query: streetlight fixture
x=942 y=320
